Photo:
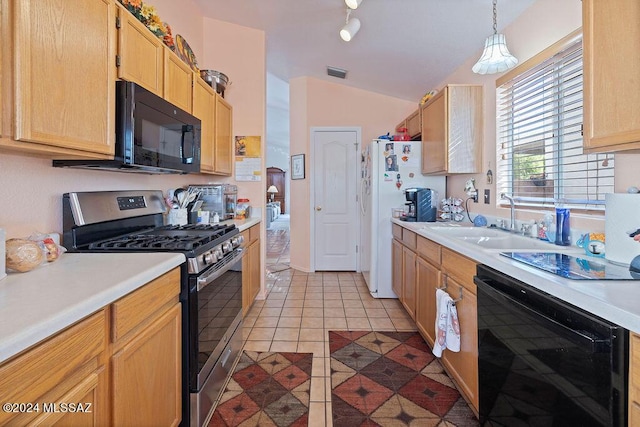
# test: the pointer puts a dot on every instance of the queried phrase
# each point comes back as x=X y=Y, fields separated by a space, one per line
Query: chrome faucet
x=512 y=226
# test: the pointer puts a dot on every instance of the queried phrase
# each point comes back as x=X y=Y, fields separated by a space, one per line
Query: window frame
x=506 y=180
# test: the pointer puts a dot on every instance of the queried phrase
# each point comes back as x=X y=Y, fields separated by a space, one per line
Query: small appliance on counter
x=621 y=223
x=422 y=204
x=218 y=198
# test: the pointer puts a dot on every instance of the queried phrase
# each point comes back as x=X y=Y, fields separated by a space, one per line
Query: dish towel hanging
x=447 y=325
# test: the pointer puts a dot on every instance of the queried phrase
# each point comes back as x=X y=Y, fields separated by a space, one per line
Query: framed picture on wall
x=297 y=166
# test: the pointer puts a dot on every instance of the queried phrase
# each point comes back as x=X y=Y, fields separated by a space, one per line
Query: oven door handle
x=588 y=343
x=203 y=281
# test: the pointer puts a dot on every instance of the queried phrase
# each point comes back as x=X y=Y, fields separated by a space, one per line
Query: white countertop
x=616 y=301
x=43 y=301
x=243 y=224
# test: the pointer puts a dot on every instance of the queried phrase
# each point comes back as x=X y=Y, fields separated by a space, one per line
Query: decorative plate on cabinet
x=184 y=52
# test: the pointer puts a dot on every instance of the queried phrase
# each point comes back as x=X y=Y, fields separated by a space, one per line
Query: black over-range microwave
x=152 y=136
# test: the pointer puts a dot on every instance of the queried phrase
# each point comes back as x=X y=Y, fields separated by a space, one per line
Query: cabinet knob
x=318 y=208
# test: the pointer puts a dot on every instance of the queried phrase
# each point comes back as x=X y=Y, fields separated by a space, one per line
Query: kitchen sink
x=509 y=241
x=468 y=231
x=492 y=238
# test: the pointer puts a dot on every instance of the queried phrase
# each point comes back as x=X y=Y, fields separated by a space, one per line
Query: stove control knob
x=237 y=241
x=227 y=247
x=219 y=253
x=209 y=258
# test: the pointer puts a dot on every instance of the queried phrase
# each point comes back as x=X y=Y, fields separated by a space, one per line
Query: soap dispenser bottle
x=216 y=218
x=563 y=228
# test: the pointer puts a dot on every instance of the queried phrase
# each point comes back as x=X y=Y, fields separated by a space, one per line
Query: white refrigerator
x=388 y=168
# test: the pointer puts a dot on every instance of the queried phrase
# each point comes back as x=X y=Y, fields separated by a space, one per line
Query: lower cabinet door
x=396 y=260
x=427 y=281
x=81 y=406
x=409 y=281
x=147 y=375
x=463 y=366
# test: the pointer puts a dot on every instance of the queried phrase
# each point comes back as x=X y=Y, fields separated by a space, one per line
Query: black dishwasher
x=544 y=362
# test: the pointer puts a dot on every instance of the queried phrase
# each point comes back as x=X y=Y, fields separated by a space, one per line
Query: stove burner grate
x=144 y=241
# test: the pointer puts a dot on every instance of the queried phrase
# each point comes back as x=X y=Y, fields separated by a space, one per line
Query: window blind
x=539 y=137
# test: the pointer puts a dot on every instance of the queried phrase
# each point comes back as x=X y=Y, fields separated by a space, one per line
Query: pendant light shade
x=352 y=4
x=350 y=29
x=496 y=57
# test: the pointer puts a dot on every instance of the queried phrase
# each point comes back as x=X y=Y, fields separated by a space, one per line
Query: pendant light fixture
x=352 y=26
x=352 y=4
x=496 y=57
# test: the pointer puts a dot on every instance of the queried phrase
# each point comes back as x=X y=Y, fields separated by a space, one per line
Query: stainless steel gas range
x=211 y=283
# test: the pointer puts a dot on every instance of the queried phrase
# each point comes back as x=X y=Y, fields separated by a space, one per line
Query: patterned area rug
x=391 y=379
x=267 y=389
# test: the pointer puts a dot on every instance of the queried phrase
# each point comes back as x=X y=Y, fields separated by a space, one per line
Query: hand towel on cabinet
x=447 y=326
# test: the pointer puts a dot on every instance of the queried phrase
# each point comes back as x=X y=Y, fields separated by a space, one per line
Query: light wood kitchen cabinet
x=457 y=276
x=611 y=55
x=436 y=267
x=251 y=275
x=452 y=131
x=409 y=281
x=147 y=360
x=204 y=108
x=463 y=365
x=396 y=268
x=427 y=281
x=178 y=81
x=64 y=90
x=223 y=155
x=68 y=367
x=140 y=53
x=412 y=123
x=134 y=380
x=404 y=268
x=634 y=379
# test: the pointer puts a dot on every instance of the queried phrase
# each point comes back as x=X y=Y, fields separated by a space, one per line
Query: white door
x=335 y=202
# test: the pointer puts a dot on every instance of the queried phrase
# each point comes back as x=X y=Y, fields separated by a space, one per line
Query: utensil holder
x=177 y=217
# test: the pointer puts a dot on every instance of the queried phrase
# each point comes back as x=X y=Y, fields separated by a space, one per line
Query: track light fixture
x=352 y=4
x=352 y=26
x=496 y=57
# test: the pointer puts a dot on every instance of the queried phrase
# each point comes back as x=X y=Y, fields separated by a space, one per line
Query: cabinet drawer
x=409 y=238
x=57 y=363
x=429 y=250
x=459 y=267
x=137 y=307
x=254 y=233
x=247 y=238
x=396 y=231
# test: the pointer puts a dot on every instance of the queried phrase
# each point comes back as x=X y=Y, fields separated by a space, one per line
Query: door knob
x=318 y=208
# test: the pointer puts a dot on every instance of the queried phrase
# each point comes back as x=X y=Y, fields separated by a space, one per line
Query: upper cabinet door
x=204 y=108
x=178 y=81
x=65 y=74
x=611 y=41
x=140 y=53
x=434 y=134
x=223 y=142
x=452 y=131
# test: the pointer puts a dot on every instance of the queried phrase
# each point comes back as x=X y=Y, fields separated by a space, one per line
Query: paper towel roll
x=622 y=215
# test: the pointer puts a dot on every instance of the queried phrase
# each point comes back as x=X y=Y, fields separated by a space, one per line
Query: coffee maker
x=422 y=204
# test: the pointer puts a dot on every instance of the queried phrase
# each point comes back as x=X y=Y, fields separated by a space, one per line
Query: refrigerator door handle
x=362 y=207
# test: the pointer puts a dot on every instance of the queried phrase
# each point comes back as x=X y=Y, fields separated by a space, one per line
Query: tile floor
x=301 y=308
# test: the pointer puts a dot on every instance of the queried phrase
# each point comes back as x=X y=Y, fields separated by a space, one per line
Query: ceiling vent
x=337 y=72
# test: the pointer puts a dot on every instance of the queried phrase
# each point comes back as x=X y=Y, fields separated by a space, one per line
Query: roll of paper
x=622 y=218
